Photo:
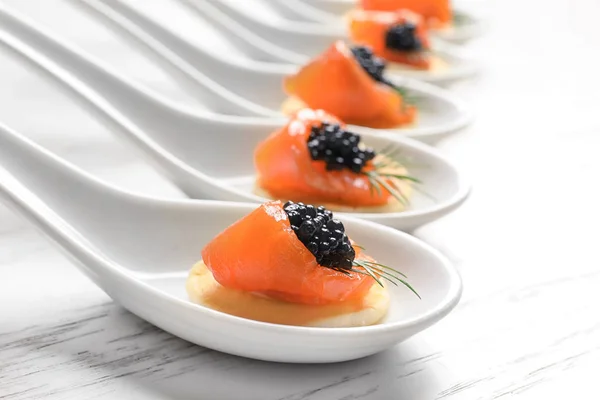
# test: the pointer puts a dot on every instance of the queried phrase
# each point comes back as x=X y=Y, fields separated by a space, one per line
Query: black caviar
x=322 y=235
x=373 y=65
x=403 y=37
x=338 y=148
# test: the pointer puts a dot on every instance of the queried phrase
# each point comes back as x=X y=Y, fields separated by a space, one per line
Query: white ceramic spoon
x=211 y=158
x=139 y=249
x=297 y=10
x=171 y=46
x=440 y=113
x=467 y=25
x=261 y=82
x=254 y=46
x=215 y=96
x=305 y=39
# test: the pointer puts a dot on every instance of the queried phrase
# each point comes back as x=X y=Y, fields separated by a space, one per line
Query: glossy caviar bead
x=403 y=37
x=323 y=236
x=313 y=247
x=338 y=148
x=295 y=218
x=373 y=65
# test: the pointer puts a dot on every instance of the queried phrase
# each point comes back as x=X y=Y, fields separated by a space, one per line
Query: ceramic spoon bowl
x=305 y=39
x=139 y=249
x=213 y=158
x=214 y=96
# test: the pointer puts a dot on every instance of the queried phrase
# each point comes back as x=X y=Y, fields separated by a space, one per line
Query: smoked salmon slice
x=286 y=169
x=262 y=253
x=338 y=83
x=437 y=13
x=399 y=36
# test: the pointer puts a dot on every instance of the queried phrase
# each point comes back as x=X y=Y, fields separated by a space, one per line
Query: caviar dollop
x=403 y=37
x=339 y=148
x=373 y=65
x=399 y=37
x=324 y=236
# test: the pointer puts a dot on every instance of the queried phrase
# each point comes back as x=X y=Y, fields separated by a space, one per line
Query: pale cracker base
x=203 y=289
x=292 y=104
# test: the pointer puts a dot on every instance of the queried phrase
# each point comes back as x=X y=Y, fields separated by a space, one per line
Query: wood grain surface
x=526 y=243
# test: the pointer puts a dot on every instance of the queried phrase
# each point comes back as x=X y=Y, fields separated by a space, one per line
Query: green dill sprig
x=385 y=176
x=379 y=271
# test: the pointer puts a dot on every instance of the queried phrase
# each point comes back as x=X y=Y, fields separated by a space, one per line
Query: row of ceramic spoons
x=464 y=25
x=252 y=88
x=276 y=47
x=130 y=245
x=195 y=150
x=277 y=39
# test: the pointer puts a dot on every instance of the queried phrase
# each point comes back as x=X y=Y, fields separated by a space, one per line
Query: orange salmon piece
x=369 y=28
x=335 y=82
x=287 y=171
x=260 y=253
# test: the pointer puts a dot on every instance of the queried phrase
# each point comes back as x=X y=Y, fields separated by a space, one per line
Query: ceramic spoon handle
x=214 y=95
x=173 y=140
x=131 y=98
x=143 y=120
x=297 y=8
x=194 y=80
x=253 y=45
x=306 y=38
x=258 y=82
x=55 y=198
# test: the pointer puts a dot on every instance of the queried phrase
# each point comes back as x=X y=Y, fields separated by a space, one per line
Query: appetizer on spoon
x=315 y=159
x=444 y=22
x=402 y=39
x=398 y=37
x=349 y=83
x=140 y=249
x=301 y=270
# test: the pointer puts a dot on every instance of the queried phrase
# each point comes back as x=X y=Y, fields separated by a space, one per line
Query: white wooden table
x=526 y=242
